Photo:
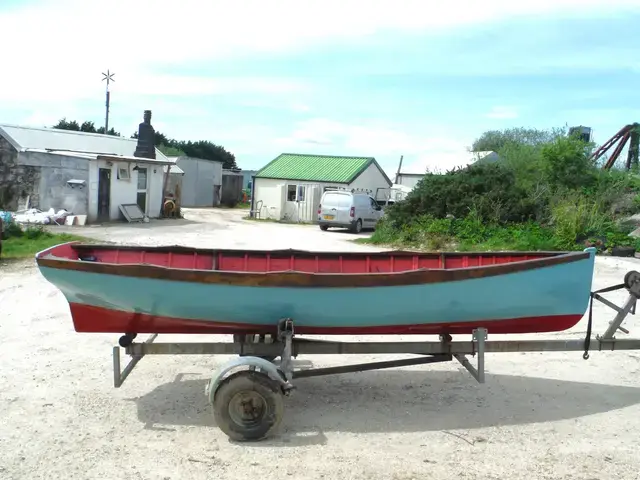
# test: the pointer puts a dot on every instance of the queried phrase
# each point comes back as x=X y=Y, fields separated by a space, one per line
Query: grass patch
x=24 y=243
x=237 y=206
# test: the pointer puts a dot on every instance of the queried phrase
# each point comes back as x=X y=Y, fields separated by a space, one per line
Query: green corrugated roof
x=315 y=168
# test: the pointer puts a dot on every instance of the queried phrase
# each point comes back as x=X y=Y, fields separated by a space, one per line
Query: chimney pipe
x=146 y=138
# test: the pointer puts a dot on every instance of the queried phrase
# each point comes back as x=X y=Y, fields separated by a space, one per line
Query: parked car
x=354 y=211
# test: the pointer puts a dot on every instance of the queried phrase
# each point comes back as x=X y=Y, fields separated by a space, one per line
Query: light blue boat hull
x=543 y=299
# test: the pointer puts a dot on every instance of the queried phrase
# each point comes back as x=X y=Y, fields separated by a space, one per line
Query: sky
x=379 y=78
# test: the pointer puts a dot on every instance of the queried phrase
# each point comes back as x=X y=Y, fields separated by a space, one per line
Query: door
x=335 y=208
x=376 y=212
x=104 y=194
x=141 y=198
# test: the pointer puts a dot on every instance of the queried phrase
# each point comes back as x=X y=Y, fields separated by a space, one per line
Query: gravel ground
x=539 y=416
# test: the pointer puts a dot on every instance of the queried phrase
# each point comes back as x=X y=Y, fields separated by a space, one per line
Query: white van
x=354 y=211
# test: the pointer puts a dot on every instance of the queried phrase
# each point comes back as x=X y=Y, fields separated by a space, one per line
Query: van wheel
x=324 y=228
x=358 y=227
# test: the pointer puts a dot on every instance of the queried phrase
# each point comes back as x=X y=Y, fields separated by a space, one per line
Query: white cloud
x=502 y=113
x=436 y=149
x=57 y=50
x=60 y=47
x=87 y=85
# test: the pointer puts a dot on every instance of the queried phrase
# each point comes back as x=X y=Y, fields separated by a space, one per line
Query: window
x=142 y=178
x=337 y=200
x=123 y=172
x=374 y=204
x=291 y=193
x=296 y=193
x=141 y=196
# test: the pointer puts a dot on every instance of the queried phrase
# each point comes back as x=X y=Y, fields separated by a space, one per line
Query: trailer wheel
x=248 y=406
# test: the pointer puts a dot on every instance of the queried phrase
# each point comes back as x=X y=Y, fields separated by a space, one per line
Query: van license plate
x=328 y=217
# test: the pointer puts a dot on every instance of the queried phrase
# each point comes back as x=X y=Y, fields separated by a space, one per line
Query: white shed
x=289 y=187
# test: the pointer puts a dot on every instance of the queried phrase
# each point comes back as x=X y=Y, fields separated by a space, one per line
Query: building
x=84 y=173
x=409 y=180
x=396 y=193
x=247 y=178
x=290 y=186
x=231 y=187
x=201 y=183
x=484 y=157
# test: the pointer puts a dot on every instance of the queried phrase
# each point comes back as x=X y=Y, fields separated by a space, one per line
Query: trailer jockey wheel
x=248 y=406
x=632 y=283
x=127 y=339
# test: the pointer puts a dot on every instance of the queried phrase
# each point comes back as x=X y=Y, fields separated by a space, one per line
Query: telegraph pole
x=109 y=78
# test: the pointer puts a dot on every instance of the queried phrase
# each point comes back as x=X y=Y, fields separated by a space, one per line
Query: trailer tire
x=248 y=406
x=623 y=251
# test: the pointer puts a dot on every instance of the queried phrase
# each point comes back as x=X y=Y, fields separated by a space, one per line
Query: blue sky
x=419 y=79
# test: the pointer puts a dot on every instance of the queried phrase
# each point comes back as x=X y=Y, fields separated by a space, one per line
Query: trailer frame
x=246 y=392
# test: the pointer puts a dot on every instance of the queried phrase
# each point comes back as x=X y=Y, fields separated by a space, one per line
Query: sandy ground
x=539 y=416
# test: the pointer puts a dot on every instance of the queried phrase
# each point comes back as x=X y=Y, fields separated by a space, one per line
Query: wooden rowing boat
x=136 y=289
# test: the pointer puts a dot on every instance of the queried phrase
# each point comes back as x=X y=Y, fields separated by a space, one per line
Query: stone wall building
x=84 y=173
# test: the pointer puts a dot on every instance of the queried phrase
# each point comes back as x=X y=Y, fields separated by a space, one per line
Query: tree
x=88 y=127
x=496 y=140
x=174 y=148
x=200 y=149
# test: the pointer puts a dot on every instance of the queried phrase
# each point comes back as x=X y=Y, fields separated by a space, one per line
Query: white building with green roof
x=290 y=186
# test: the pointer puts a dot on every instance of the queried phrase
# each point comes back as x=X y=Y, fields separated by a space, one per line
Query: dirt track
x=539 y=416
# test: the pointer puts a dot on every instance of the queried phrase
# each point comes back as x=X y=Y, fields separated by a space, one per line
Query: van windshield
x=337 y=199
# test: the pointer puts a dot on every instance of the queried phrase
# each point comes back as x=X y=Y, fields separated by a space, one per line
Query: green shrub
x=30 y=232
x=544 y=193
x=12 y=230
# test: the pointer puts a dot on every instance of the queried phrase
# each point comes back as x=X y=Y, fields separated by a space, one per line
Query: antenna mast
x=108 y=77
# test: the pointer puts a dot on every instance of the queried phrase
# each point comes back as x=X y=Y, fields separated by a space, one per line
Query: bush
x=490 y=190
x=544 y=193
x=29 y=232
x=12 y=230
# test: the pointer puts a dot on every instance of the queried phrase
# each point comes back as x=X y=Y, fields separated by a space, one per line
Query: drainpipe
x=253 y=197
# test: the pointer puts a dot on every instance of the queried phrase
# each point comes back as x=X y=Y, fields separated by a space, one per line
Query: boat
x=181 y=290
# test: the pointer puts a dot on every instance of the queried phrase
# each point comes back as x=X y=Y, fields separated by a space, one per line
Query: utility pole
x=399 y=168
x=109 y=78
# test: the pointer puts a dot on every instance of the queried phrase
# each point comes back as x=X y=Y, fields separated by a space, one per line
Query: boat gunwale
x=292 y=251
x=297 y=279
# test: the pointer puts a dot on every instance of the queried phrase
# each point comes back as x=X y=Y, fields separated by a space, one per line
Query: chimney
x=146 y=138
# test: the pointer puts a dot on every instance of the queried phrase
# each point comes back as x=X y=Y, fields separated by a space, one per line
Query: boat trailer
x=247 y=393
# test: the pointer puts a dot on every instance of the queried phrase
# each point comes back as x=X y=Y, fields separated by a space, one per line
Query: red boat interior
x=285 y=260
